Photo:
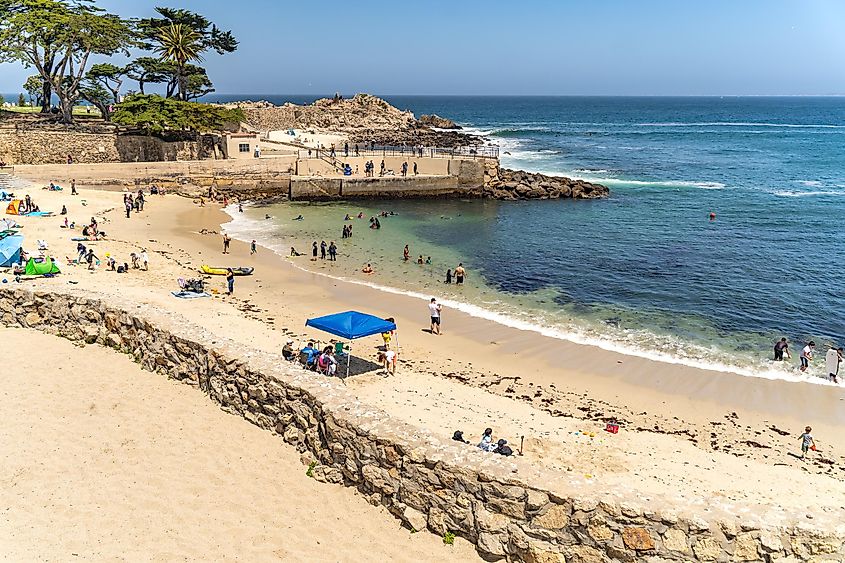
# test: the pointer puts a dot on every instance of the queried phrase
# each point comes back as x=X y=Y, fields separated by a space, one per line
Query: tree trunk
x=67 y=109
x=46 y=95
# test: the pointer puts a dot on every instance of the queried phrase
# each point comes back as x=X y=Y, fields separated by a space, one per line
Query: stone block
x=746 y=548
x=554 y=518
x=707 y=549
x=676 y=540
x=637 y=538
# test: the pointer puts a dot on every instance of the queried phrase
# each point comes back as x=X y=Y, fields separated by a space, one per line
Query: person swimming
x=299 y=218
x=347 y=218
x=367 y=269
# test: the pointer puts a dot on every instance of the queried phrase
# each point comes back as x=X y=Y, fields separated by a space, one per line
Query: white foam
x=791 y=193
x=244 y=229
x=741 y=124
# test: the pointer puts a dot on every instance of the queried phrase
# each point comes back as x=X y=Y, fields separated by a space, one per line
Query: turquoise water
x=645 y=271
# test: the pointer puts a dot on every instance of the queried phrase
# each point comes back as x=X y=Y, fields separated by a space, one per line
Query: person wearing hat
x=288 y=352
x=110 y=261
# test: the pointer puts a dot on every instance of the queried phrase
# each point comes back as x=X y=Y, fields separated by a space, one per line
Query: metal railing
x=409 y=152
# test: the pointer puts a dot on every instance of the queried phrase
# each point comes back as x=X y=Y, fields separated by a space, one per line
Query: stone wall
x=507 y=507
x=23 y=143
x=247 y=178
x=42 y=145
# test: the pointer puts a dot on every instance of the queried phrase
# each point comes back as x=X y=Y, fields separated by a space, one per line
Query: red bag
x=612 y=428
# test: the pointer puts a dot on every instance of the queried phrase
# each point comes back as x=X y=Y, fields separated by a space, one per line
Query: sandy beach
x=689 y=437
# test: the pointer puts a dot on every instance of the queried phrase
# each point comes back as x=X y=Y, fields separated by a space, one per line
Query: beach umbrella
x=351 y=325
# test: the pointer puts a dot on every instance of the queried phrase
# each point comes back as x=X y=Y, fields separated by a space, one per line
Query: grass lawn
x=77 y=110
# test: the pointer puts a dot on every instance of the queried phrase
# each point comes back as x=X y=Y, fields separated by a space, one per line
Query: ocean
x=646 y=271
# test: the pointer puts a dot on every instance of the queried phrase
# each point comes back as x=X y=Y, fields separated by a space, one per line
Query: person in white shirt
x=143 y=258
x=807 y=355
x=434 y=308
x=388 y=361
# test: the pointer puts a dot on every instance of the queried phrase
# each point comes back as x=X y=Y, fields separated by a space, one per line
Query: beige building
x=242 y=145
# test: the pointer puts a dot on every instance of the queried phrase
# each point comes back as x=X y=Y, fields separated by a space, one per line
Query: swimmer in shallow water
x=367 y=269
x=299 y=218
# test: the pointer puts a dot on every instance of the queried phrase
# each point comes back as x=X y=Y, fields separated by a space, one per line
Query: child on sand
x=807 y=442
x=252 y=247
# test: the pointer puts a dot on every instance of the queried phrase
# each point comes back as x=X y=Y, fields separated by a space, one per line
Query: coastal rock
x=508 y=184
x=435 y=120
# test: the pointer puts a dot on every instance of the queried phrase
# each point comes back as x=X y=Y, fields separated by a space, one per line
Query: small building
x=242 y=145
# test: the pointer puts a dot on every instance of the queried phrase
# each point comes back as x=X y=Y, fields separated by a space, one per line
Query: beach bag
x=612 y=427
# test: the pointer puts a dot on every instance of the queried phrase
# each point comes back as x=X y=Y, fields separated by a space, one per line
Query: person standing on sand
x=226 y=241
x=807 y=355
x=332 y=251
x=807 y=442
x=459 y=274
x=415 y=168
x=404 y=169
x=73 y=187
x=252 y=248
x=323 y=246
x=406 y=254
x=435 y=308
x=143 y=259
x=230 y=280
x=782 y=348
x=314 y=251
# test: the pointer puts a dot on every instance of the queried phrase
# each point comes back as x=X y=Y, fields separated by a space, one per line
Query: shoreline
x=604 y=342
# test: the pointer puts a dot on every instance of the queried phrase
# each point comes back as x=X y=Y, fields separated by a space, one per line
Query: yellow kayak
x=206 y=269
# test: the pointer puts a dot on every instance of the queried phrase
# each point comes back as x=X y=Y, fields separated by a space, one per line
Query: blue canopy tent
x=10 y=250
x=351 y=325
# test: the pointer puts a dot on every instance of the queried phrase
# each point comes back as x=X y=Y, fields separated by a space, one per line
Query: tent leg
x=348 y=360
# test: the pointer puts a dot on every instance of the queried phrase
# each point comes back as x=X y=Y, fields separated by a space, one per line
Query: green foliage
x=21 y=100
x=58 y=38
x=154 y=114
x=2 y=100
x=449 y=538
x=34 y=86
x=150 y=70
x=310 y=471
x=210 y=36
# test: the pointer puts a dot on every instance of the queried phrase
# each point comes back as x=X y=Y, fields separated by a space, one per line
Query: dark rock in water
x=435 y=120
x=506 y=184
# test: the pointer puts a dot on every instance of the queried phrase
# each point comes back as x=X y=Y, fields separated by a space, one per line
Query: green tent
x=39 y=267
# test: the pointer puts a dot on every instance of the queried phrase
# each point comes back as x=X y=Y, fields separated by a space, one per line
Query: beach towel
x=39 y=214
x=189 y=294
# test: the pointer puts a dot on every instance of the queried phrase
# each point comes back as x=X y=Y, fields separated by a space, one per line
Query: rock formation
x=506 y=184
x=365 y=118
x=435 y=120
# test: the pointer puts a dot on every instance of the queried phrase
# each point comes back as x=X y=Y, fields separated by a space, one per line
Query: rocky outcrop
x=364 y=117
x=509 y=508
x=435 y=120
x=506 y=184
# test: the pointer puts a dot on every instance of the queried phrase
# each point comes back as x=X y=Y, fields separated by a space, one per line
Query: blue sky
x=605 y=47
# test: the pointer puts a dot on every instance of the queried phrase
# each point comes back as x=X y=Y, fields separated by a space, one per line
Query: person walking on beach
x=230 y=280
x=807 y=355
x=459 y=274
x=406 y=254
x=226 y=241
x=252 y=247
x=314 y=251
x=90 y=257
x=781 y=348
x=381 y=173
x=415 y=168
x=73 y=187
x=807 y=442
x=323 y=246
x=144 y=259
x=435 y=308
x=346 y=149
x=831 y=362
x=404 y=169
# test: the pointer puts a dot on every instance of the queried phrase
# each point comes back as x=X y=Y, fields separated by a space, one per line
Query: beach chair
x=339 y=349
